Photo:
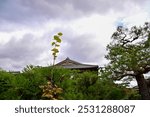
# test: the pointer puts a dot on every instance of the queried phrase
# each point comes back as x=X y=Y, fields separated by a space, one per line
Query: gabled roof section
x=68 y=63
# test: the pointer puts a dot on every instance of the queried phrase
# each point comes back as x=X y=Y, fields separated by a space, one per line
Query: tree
x=129 y=55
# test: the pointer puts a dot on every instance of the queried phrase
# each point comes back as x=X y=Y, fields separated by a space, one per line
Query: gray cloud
x=20 y=52
x=83 y=48
x=31 y=13
x=17 y=53
x=27 y=11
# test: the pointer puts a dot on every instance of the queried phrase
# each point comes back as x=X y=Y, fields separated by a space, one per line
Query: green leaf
x=60 y=34
x=54 y=54
x=53 y=43
x=57 y=38
x=55 y=50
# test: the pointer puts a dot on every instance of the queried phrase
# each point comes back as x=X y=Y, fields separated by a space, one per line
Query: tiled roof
x=68 y=63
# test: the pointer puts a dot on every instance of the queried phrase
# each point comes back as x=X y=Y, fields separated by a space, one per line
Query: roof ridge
x=73 y=62
x=68 y=60
x=69 y=63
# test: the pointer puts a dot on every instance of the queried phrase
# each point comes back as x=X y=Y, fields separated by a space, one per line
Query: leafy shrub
x=74 y=85
x=51 y=91
x=5 y=83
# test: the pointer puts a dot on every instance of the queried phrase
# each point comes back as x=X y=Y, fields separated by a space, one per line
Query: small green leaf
x=57 y=38
x=55 y=50
x=54 y=54
x=60 y=34
x=53 y=43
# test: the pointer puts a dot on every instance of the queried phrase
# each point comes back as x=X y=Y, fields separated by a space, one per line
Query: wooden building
x=71 y=64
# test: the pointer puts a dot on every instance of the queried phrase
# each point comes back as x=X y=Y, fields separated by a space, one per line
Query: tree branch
x=122 y=75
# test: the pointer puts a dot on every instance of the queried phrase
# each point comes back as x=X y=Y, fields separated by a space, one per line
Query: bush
x=5 y=83
x=24 y=86
x=74 y=85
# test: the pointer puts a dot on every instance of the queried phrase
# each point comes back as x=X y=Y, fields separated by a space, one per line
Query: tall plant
x=50 y=90
x=56 y=44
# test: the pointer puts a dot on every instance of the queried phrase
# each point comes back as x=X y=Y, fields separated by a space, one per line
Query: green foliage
x=5 y=83
x=51 y=91
x=128 y=53
x=89 y=86
x=28 y=68
x=56 y=43
x=129 y=56
x=68 y=84
x=94 y=87
x=22 y=86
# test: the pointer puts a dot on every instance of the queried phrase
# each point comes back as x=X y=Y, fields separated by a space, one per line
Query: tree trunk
x=143 y=88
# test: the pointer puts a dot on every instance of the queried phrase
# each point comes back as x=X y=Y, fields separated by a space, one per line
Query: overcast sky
x=27 y=28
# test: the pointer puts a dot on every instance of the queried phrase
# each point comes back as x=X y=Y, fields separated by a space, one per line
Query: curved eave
x=81 y=66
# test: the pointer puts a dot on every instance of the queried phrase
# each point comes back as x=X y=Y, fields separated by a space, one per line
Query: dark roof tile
x=68 y=63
